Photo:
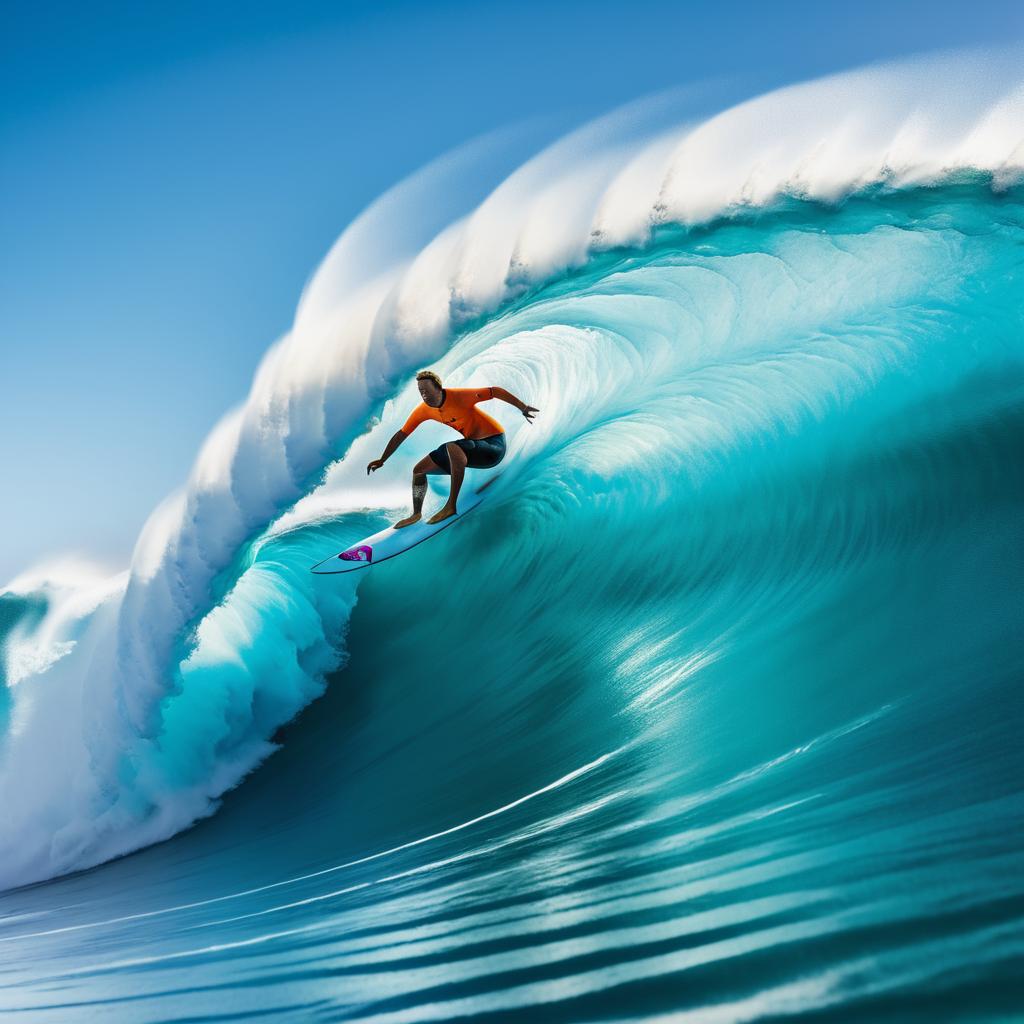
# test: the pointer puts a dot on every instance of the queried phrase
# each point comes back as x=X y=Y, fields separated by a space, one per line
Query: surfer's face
x=429 y=391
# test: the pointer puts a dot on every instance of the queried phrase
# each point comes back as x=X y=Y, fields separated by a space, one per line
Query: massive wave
x=771 y=510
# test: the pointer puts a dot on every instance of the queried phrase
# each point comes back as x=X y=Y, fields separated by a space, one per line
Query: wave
x=792 y=331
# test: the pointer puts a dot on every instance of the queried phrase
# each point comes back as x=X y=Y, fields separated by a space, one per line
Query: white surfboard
x=390 y=542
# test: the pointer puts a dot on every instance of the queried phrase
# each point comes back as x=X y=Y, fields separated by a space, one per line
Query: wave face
x=712 y=709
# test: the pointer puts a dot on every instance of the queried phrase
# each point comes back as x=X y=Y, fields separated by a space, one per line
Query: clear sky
x=170 y=177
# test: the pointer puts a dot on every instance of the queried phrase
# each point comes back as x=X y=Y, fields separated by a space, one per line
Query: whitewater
x=711 y=711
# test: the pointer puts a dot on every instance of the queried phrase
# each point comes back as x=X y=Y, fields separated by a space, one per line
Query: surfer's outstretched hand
x=373 y=466
x=529 y=412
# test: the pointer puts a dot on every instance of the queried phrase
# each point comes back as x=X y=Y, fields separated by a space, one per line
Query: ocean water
x=711 y=711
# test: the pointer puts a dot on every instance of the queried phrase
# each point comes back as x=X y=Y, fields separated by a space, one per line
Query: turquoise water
x=712 y=709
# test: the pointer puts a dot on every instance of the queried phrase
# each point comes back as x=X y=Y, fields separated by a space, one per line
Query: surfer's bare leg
x=419 y=489
x=457 y=457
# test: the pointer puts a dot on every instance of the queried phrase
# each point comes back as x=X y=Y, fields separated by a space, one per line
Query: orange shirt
x=458 y=410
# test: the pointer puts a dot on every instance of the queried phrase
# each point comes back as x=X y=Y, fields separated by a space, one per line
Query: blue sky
x=169 y=181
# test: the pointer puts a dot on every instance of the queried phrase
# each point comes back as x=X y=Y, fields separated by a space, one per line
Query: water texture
x=711 y=711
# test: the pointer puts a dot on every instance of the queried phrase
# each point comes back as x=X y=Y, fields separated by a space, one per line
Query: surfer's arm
x=507 y=396
x=396 y=439
x=416 y=417
x=392 y=446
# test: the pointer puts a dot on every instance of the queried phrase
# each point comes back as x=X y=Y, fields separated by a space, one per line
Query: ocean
x=712 y=711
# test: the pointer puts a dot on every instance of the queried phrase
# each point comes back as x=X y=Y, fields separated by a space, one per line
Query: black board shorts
x=483 y=453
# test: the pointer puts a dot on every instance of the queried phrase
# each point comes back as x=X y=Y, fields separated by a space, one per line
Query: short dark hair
x=429 y=375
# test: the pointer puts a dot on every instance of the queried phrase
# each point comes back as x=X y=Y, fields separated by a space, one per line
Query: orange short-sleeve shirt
x=458 y=410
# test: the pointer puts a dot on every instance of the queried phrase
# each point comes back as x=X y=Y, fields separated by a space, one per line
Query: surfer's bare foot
x=408 y=521
x=439 y=517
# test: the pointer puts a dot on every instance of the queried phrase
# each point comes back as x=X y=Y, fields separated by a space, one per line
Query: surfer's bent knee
x=453 y=447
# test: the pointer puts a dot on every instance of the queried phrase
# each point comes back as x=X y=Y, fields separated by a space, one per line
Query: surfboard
x=390 y=542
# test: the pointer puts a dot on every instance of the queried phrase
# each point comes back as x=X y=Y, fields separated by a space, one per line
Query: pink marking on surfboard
x=363 y=553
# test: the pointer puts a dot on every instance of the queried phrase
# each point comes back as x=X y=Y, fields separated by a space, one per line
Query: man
x=482 y=445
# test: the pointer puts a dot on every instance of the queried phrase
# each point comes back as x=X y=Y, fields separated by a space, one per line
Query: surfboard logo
x=362 y=553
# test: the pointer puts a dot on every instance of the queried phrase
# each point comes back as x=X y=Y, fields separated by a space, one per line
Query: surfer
x=482 y=445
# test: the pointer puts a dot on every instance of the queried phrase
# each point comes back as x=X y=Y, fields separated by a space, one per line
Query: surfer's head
x=430 y=386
